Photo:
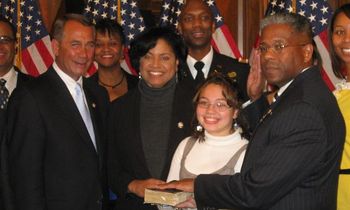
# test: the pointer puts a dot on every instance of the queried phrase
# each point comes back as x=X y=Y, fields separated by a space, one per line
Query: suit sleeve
x=296 y=146
x=118 y=178
x=26 y=140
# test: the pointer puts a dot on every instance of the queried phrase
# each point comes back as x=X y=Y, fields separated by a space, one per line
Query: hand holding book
x=175 y=193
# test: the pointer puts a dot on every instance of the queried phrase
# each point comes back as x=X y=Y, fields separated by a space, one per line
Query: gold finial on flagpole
x=119 y=14
x=294 y=6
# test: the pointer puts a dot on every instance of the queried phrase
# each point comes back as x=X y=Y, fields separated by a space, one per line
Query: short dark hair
x=13 y=29
x=58 y=26
x=111 y=27
x=183 y=7
x=336 y=61
x=231 y=92
x=148 y=40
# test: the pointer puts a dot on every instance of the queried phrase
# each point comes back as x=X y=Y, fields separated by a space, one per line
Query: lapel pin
x=180 y=124
x=232 y=74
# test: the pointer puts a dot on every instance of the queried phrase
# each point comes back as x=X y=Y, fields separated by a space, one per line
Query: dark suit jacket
x=126 y=159
x=131 y=80
x=54 y=164
x=292 y=161
x=226 y=65
x=21 y=80
x=4 y=185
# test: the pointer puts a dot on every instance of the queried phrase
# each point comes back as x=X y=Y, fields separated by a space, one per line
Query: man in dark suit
x=10 y=78
x=292 y=160
x=196 y=25
x=54 y=134
x=9 y=74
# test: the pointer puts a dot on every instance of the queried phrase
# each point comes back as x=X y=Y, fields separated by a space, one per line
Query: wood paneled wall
x=252 y=11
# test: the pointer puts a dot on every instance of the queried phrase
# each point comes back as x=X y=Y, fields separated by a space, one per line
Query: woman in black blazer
x=148 y=122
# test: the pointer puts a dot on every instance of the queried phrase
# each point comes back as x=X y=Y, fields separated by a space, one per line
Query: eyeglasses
x=277 y=47
x=218 y=105
x=6 y=40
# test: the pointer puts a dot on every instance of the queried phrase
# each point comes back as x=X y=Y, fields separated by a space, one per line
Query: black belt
x=344 y=171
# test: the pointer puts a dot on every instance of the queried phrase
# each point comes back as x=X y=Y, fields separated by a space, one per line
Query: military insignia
x=232 y=74
x=180 y=124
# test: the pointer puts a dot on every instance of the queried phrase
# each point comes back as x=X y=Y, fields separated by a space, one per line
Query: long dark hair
x=336 y=61
x=231 y=93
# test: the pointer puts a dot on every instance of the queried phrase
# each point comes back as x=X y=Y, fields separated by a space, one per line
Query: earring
x=140 y=77
x=235 y=124
x=199 y=128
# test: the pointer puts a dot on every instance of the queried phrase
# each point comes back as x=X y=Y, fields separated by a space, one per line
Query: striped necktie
x=4 y=94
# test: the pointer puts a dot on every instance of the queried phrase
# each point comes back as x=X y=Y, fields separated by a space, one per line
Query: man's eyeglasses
x=6 y=40
x=218 y=105
x=277 y=47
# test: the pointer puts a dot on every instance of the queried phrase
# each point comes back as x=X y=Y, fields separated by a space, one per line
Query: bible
x=170 y=197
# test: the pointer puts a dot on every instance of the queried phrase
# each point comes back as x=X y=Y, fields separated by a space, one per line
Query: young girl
x=217 y=145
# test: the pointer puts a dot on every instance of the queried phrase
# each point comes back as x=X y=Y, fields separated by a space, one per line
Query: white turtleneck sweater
x=208 y=156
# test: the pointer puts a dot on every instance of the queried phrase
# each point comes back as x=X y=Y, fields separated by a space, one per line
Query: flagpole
x=119 y=14
x=19 y=37
x=294 y=5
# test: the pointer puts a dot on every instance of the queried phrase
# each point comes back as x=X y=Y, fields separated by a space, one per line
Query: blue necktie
x=84 y=111
x=4 y=94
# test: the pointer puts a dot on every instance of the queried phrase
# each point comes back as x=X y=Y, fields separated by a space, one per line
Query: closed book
x=169 y=197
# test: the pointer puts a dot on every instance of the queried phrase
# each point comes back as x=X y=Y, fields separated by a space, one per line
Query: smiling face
x=108 y=50
x=75 y=50
x=341 y=37
x=159 y=65
x=196 y=24
x=7 y=48
x=216 y=121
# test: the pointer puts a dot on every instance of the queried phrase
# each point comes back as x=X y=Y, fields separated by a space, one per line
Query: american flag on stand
x=222 y=40
x=319 y=14
x=34 y=45
x=130 y=19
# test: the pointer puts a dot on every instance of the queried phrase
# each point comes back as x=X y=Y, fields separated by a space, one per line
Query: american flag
x=130 y=19
x=34 y=44
x=222 y=39
x=319 y=14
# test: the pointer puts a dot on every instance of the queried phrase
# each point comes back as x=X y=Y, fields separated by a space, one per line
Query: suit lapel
x=66 y=105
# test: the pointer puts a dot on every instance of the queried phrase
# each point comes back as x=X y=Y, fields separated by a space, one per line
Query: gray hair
x=61 y=22
x=297 y=22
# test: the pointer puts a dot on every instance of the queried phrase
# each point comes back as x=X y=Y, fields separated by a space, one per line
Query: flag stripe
x=331 y=79
x=229 y=38
x=126 y=62
x=35 y=56
x=28 y=63
x=44 y=51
